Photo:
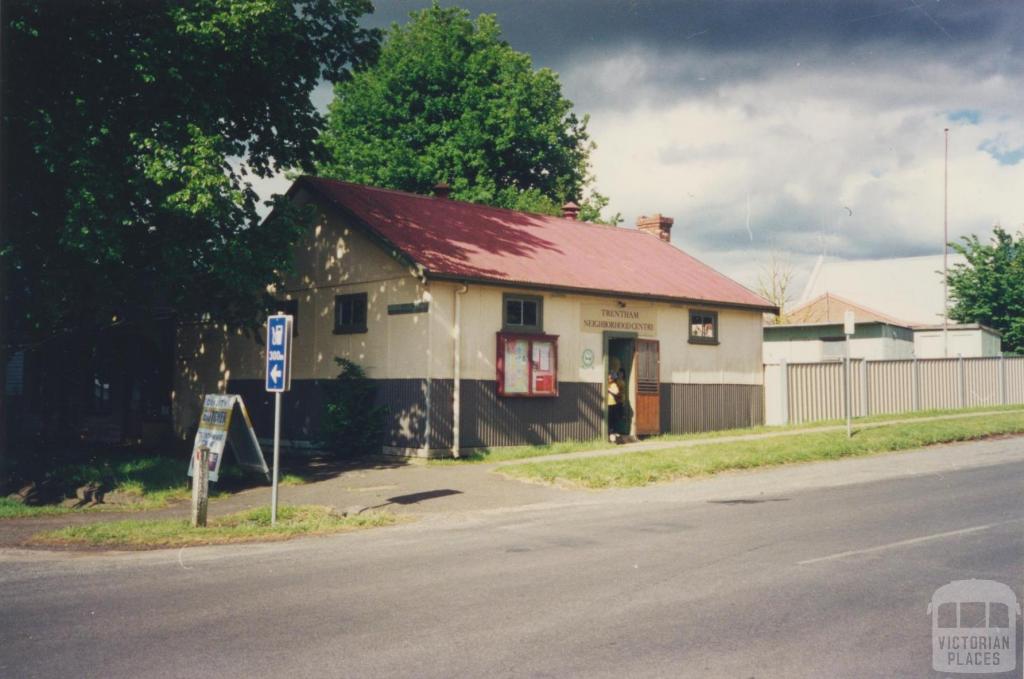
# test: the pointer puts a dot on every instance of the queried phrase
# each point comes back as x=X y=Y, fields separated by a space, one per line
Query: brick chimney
x=656 y=225
x=570 y=210
x=442 y=190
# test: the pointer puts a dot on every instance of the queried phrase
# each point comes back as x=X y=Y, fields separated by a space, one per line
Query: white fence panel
x=808 y=392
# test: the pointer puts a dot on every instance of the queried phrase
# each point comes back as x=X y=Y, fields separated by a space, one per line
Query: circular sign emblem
x=588 y=358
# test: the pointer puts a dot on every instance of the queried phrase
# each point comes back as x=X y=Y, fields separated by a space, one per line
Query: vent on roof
x=570 y=210
x=656 y=225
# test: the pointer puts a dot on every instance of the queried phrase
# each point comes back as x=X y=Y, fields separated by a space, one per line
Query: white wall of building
x=966 y=342
x=815 y=350
x=735 y=360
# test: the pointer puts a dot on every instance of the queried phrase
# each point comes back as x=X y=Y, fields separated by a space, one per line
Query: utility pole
x=945 y=250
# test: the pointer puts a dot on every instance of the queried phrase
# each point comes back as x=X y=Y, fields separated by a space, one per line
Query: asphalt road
x=705 y=579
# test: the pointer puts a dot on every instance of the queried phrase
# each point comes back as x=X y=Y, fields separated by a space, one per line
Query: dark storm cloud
x=554 y=31
x=698 y=47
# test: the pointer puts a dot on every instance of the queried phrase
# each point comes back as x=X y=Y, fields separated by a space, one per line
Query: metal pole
x=945 y=250
x=277 y=456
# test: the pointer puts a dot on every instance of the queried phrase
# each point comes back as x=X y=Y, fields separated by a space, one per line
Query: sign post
x=279 y=380
x=201 y=487
x=849 y=329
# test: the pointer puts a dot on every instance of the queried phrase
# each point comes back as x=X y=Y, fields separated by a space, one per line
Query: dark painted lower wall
x=404 y=399
x=687 y=408
x=489 y=420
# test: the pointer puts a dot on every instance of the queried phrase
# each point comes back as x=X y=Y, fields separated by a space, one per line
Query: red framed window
x=527 y=365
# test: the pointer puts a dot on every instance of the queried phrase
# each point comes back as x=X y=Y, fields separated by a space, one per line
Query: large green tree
x=130 y=132
x=989 y=287
x=450 y=101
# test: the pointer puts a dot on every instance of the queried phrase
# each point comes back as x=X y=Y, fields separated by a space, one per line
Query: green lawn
x=642 y=468
x=502 y=454
x=252 y=525
x=13 y=509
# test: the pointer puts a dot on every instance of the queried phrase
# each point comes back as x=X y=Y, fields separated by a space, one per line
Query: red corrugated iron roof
x=451 y=239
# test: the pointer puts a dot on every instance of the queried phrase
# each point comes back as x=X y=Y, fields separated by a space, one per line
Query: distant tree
x=989 y=287
x=775 y=283
x=450 y=101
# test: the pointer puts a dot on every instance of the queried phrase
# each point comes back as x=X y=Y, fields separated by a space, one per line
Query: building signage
x=225 y=417
x=612 y=317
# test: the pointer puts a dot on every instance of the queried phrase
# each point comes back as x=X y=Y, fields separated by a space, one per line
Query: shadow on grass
x=140 y=479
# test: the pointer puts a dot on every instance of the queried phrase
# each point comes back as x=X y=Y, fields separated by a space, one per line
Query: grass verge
x=643 y=468
x=506 y=453
x=14 y=509
x=248 y=526
x=134 y=485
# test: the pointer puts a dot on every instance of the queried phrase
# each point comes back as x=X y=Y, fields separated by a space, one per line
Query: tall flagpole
x=945 y=251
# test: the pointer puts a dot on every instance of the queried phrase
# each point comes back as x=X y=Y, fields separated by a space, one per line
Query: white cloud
x=802 y=143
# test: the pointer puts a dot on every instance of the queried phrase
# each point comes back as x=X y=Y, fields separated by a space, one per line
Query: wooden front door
x=647 y=400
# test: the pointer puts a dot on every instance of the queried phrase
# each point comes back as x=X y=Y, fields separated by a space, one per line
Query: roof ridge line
x=466 y=202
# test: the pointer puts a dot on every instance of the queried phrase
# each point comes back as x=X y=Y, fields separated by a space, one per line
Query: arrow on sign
x=275 y=373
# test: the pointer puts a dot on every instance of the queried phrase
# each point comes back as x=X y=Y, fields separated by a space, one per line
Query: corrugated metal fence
x=807 y=392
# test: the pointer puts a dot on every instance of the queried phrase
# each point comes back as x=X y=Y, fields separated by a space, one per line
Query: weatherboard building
x=488 y=327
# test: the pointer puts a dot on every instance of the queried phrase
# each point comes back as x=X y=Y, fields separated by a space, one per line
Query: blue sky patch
x=965 y=115
x=1002 y=155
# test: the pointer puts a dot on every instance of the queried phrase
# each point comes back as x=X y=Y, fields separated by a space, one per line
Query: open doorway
x=618 y=389
x=632 y=388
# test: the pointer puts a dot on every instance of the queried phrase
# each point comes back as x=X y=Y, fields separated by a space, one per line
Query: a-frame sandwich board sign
x=225 y=419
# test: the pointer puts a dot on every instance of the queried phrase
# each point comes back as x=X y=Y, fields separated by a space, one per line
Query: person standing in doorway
x=616 y=398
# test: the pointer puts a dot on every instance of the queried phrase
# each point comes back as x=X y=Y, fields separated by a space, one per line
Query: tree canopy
x=989 y=287
x=131 y=131
x=450 y=101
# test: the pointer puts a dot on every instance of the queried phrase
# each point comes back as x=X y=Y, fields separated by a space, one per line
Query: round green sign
x=588 y=358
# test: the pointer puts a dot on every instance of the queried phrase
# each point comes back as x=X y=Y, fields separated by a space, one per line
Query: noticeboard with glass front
x=527 y=365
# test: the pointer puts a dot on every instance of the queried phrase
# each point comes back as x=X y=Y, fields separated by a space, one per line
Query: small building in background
x=967 y=340
x=813 y=332
x=897 y=306
x=817 y=342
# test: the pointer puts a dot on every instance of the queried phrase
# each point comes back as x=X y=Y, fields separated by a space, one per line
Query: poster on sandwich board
x=224 y=420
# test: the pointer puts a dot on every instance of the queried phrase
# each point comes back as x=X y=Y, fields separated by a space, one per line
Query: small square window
x=514 y=312
x=529 y=313
x=523 y=314
x=704 y=327
x=350 y=314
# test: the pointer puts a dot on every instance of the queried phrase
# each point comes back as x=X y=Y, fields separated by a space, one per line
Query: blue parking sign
x=279 y=352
